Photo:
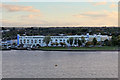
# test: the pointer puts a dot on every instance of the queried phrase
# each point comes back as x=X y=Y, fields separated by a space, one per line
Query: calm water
x=50 y=64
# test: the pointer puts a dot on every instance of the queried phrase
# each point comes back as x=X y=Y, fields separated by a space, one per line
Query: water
x=56 y=64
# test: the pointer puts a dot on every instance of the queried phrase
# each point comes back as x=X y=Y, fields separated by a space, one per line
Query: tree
x=119 y=40
x=52 y=44
x=94 y=41
x=21 y=45
x=33 y=46
x=98 y=43
x=79 y=42
x=76 y=40
x=47 y=39
x=61 y=43
x=64 y=44
x=70 y=41
x=38 y=46
x=88 y=44
x=14 y=44
x=56 y=44
x=107 y=42
x=83 y=39
x=114 y=40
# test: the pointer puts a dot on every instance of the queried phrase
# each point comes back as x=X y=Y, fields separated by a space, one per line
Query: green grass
x=81 y=48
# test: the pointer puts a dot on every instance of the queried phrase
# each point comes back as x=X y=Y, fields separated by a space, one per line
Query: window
x=27 y=41
x=20 y=41
x=60 y=39
x=35 y=41
x=31 y=41
x=56 y=40
x=39 y=41
x=24 y=41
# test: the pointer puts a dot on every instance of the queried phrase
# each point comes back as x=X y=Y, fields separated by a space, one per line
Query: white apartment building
x=34 y=40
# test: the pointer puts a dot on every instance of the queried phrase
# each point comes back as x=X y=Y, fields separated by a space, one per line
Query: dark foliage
x=13 y=31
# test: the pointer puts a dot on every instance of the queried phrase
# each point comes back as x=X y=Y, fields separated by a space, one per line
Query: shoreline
x=59 y=50
x=81 y=50
x=105 y=48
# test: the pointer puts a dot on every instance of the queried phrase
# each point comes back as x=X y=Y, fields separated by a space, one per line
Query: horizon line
x=59 y=26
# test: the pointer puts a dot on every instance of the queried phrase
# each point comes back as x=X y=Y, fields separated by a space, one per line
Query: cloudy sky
x=59 y=14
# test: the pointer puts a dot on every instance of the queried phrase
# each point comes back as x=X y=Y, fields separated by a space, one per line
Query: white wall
x=98 y=37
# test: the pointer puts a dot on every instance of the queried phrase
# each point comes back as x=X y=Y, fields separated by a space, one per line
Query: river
x=59 y=64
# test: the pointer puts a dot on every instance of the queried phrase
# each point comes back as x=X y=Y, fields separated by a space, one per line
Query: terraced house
x=39 y=40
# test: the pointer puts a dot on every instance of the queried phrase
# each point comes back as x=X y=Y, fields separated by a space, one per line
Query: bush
x=88 y=44
x=107 y=43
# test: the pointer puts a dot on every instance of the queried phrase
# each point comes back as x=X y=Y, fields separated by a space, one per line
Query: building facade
x=8 y=42
x=35 y=40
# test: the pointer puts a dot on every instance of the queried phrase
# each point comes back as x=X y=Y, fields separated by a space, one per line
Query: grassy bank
x=81 y=48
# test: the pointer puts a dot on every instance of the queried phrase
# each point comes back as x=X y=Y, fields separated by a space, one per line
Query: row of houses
x=38 y=40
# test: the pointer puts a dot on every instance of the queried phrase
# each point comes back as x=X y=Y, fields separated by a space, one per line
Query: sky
x=59 y=0
x=59 y=14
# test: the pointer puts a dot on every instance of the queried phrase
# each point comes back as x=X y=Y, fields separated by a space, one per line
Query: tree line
x=55 y=31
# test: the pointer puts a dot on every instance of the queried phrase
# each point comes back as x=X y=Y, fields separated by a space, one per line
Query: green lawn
x=81 y=48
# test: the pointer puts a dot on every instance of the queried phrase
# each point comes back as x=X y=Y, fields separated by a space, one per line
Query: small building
x=8 y=42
